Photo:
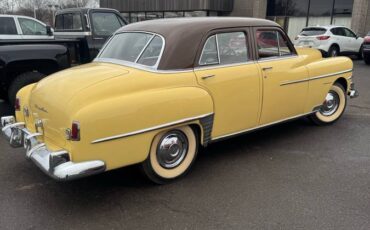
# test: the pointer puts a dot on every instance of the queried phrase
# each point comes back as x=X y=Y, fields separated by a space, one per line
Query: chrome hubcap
x=334 y=53
x=331 y=104
x=172 y=149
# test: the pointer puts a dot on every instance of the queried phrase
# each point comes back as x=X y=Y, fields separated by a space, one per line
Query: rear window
x=136 y=47
x=68 y=21
x=7 y=26
x=312 y=31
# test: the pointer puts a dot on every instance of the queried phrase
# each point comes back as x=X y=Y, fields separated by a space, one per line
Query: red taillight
x=367 y=39
x=17 y=105
x=321 y=38
x=75 y=131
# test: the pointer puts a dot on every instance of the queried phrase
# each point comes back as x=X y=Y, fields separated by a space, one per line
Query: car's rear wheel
x=21 y=81
x=333 y=107
x=367 y=59
x=333 y=51
x=171 y=155
x=360 y=54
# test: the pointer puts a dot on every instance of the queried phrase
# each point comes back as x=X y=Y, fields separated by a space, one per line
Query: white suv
x=22 y=27
x=331 y=40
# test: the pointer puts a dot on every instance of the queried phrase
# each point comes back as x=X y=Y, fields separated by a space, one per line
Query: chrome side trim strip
x=294 y=82
x=331 y=74
x=149 y=129
x=260 y=127
x=315 y=78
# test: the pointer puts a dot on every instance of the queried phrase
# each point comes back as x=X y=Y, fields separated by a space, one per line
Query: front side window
x=31 y=27
x=225 y=48
x=271 y=43
x=105 y=24
x=137 y=47
x=7 y=26
x=349 y=33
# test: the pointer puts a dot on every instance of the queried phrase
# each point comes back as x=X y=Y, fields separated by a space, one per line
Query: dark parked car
x=366 y=49
x=78 y=36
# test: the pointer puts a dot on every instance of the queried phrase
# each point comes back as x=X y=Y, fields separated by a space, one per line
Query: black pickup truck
x=79 y=34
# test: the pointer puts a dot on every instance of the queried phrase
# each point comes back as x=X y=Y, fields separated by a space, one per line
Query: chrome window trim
x=201 y=55
x=218 y=50
x=290 y=56
x=123 y=135
x=317 y=77
x=135 y=65
x=72 y=33
x=144 y=48
x=141 y=67
x=224 y=66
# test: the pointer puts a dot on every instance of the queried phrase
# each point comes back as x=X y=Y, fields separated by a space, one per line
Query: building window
x=196 y=14
x=174 y=14
x=294 y=15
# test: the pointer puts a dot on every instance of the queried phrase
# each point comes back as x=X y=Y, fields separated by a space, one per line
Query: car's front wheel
x=367 y=58
x=171 y=155
x=333 y=107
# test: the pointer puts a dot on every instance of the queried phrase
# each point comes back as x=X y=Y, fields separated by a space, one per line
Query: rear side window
x=225 y=48
x=272 y=43
x=7 y=26
x=68 y=21
x=338 y=31
x=312 y=31
x=105 y=24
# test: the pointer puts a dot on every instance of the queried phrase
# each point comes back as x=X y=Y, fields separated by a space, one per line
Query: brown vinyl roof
x=184 y=35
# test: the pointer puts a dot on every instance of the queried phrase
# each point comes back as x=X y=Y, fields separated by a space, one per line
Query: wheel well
x=45 y=67
x=342 y=82
x=198 y=132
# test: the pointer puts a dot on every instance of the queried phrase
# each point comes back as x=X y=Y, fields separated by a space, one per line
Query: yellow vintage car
x=158 y=90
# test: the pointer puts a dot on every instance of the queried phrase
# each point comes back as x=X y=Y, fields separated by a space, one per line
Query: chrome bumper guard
x=55 y=164
x=353 y=93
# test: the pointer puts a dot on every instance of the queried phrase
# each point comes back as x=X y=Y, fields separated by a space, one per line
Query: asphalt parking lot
x=291 y=176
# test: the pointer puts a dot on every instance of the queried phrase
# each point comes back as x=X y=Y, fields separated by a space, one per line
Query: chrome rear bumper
x=55 y=164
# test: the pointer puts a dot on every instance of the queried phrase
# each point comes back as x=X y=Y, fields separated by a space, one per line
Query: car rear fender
x=119 y=130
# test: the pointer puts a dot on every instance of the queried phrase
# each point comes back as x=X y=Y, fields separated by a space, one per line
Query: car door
x=228 y=72
x=104 y=24
x=354 y=42
x=8 y=28
x=285 y=77
x=32 y=29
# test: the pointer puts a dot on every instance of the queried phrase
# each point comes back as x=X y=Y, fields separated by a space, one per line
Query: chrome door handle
x=266 y=68
x=208 y=76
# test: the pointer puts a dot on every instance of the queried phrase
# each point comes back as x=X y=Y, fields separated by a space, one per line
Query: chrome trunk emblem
x=39 y=126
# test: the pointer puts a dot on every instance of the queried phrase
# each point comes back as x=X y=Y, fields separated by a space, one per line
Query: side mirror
x=49 y=31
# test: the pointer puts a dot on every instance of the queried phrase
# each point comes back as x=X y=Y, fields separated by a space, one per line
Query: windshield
x=137 y=47
x=312 y=31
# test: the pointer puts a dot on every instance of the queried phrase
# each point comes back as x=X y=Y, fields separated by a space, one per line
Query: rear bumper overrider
x=56 y=164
